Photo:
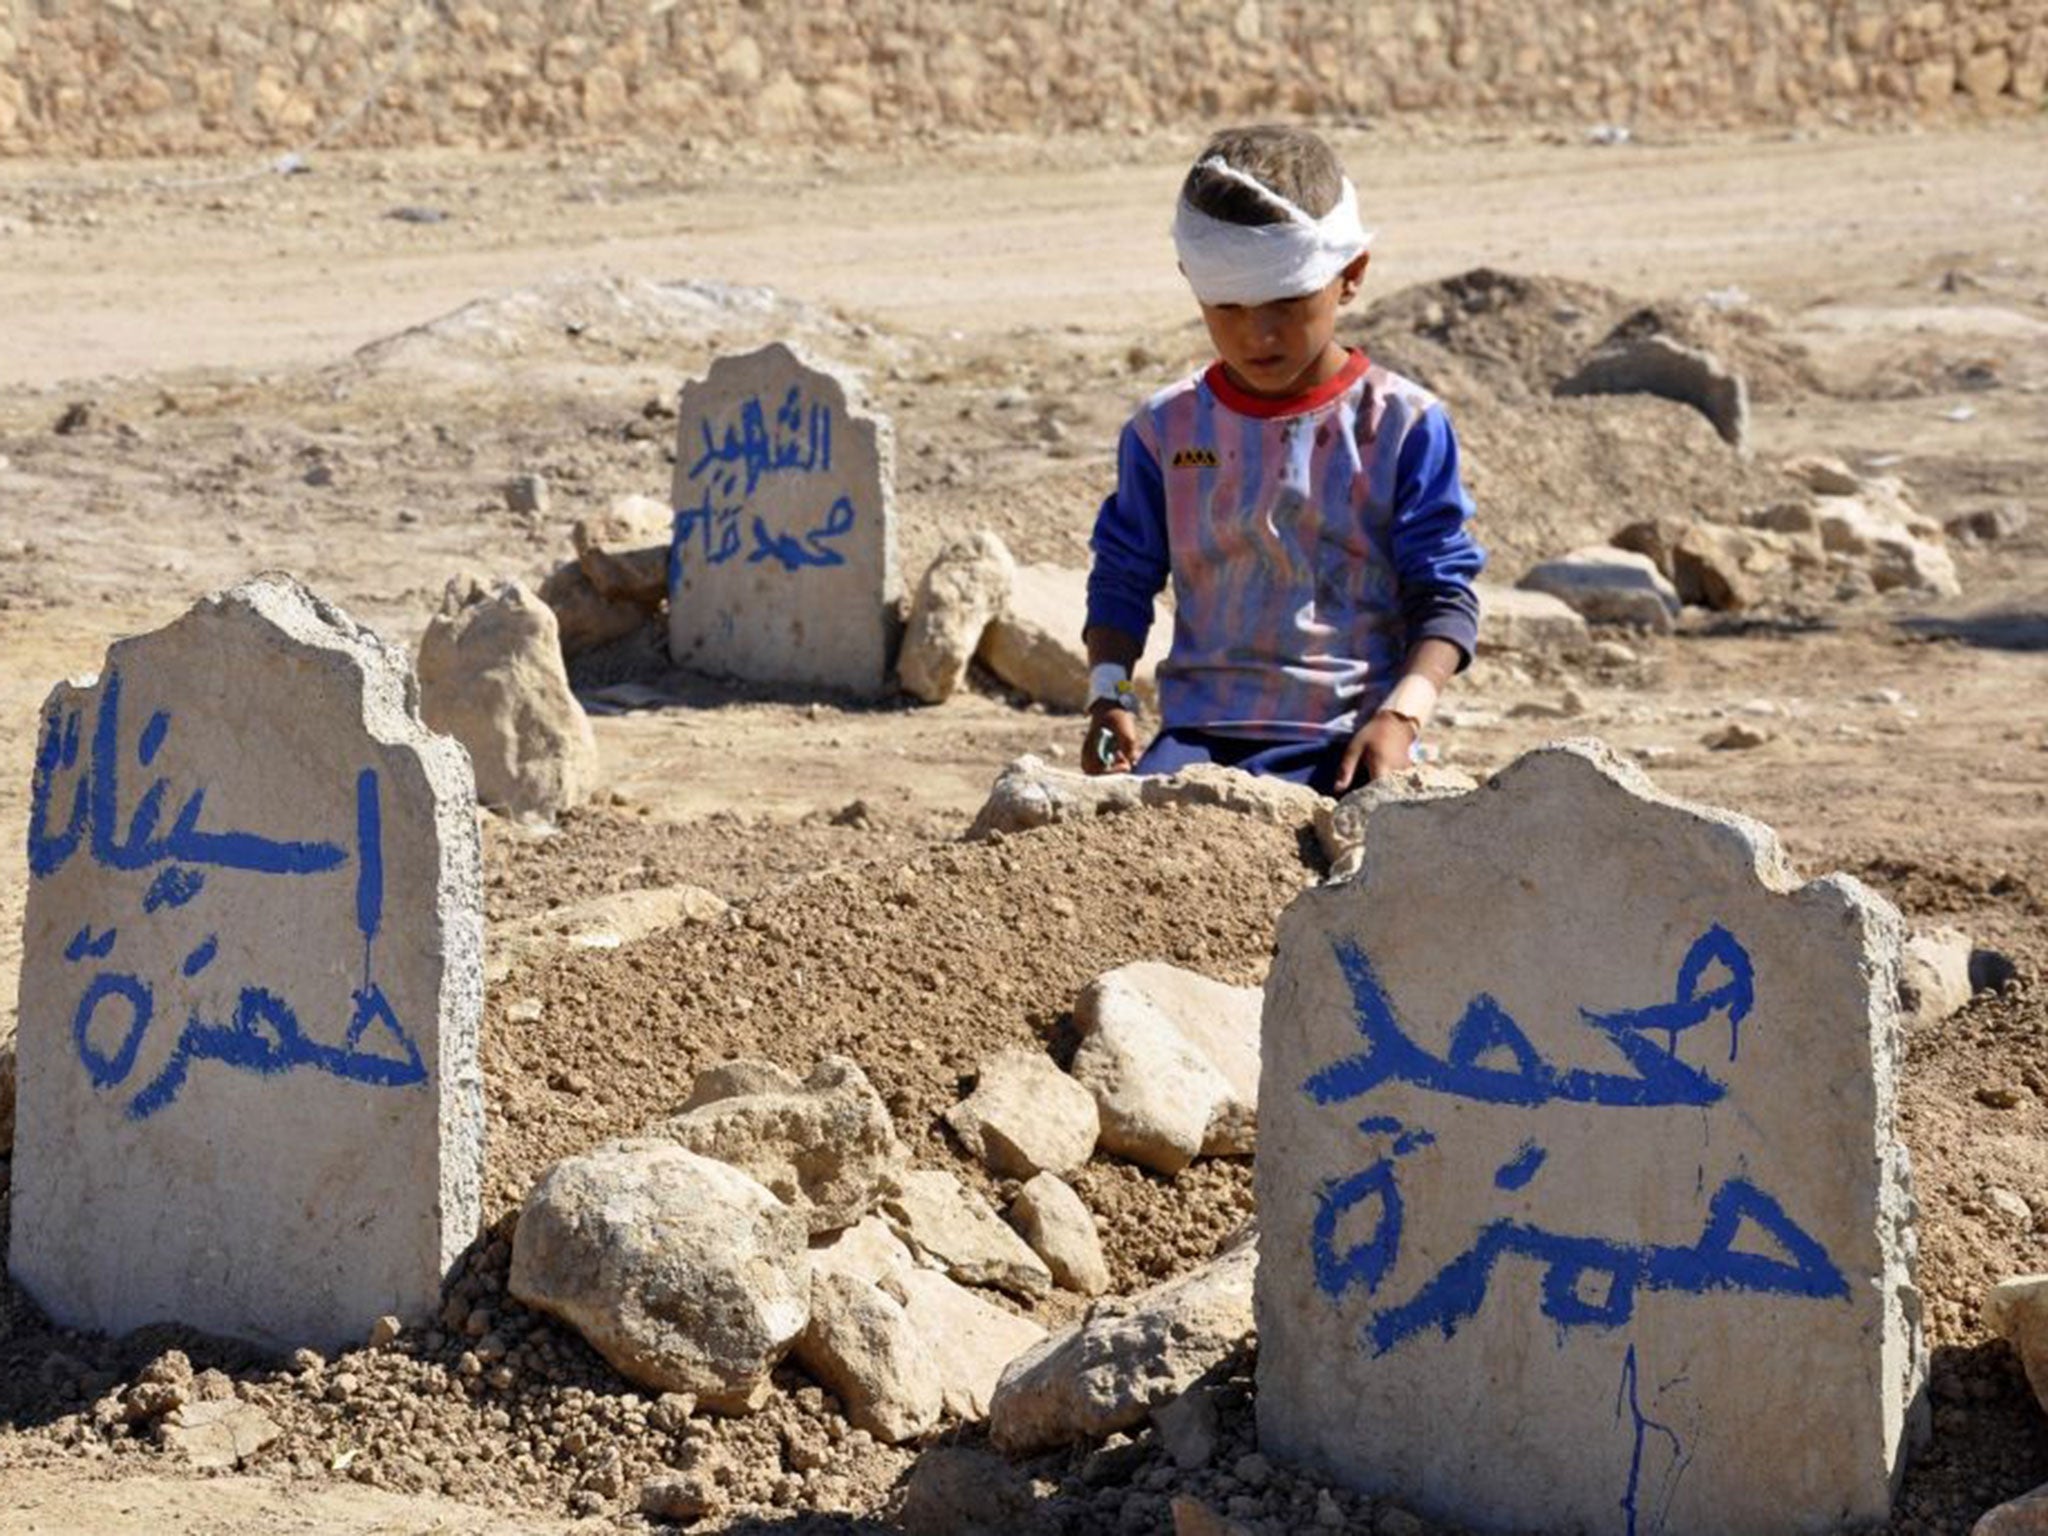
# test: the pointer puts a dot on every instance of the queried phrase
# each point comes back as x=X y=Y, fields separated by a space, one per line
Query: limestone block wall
x=107 y=77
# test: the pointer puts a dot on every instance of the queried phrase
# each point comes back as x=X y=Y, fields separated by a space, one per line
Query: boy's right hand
x=1122 y=728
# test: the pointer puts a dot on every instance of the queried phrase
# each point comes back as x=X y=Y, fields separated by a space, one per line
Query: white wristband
x=1414 y=696
x=1111 y=683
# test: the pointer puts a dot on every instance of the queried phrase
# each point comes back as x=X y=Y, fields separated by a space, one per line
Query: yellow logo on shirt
x=1194 y=458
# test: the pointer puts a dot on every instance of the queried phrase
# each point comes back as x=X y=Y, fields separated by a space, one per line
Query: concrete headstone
x=782 y=565
x=1577 y=1178
x=252 y=977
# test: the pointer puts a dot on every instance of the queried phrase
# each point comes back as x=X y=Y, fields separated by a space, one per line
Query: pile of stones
x=1839 y=537
x=773 y=1218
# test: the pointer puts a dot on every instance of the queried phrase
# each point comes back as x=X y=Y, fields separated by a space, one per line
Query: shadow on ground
x=1993 y=629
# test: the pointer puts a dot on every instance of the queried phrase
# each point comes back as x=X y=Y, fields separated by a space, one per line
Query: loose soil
x=1892 y=309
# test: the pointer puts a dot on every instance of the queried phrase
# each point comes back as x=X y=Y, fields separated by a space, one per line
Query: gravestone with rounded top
x=251 y=984
x=1580 y=1203
x=782 y=567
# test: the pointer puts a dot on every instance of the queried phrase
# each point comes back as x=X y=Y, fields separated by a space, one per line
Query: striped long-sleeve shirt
x=1310 y=543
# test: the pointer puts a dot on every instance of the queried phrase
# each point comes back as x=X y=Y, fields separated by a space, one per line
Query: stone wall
x=109 y=77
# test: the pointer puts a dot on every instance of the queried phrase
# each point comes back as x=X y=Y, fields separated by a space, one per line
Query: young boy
x=1304 y=502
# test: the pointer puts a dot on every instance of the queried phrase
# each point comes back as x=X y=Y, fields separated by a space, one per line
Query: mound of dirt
x=918 y=971
x=919 y=968
x=577 y=320
x=1516 y=335
x=1548 y=473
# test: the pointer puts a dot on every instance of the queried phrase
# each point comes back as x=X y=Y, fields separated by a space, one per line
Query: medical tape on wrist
x=1230 y=263
x=1414 y=696
x=1110 y=682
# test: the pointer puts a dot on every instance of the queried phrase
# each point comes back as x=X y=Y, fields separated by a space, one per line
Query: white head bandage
x=1257 y=263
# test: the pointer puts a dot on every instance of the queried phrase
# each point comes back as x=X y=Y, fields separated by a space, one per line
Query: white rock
x=1030 y=793
x=868 y=1250
x=2009 y=1205
x=2017 y=1311
x=1173 y=1061
x=1026 y=1115
x=682 y=1271
x=1034 y=645
x=1886 y=546
x=2026 y=1515
x=1188 y=1427
x=1051 y=1218
x=1606 y=585
x=971 y=1339
x=1824 y=474
x=1934 y=976
x=1232 y=789
x=1126 y=1358
x=1156 y=1093
x=601 y=922
x=1340 y=825
x=966 y=586
x=216 y=1436
x=624 y=552
x=861 y=1345
x=1511 y=619
x=952 y=1225
x=491 y=676
x=826 y=1146
x=1661 y=365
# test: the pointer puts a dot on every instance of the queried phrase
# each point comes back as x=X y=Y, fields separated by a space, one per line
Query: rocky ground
x=1884 y=297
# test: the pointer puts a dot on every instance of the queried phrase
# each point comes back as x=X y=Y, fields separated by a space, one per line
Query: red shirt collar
x=1232 y=398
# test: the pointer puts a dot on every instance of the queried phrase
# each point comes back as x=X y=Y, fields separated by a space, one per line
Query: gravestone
x=1579 y=1198
x=782 y=568
x=251 y=984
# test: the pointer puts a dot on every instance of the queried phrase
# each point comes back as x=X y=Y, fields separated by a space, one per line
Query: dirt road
x=294 y=271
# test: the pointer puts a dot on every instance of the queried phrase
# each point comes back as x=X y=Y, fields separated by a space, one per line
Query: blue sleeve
x=1435 y=557
x=1131 y=559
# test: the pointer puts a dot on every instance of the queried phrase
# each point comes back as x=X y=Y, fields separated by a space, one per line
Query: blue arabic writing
x=116 y=1009
x=798 y=440
x=1575 y=1264
x=794 y=440
x=1485 y=1032
x=96 y=804
x=1747 y=1241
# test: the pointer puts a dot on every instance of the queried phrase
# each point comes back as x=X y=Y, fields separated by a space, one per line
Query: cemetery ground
x=213 y=374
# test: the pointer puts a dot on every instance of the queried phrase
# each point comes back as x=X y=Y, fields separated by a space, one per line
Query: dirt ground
x=267 y=380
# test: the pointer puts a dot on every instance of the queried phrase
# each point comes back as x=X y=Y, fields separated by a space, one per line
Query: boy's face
x=1287 y=346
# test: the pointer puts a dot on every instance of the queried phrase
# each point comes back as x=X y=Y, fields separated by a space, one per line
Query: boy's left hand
x=1382 y=744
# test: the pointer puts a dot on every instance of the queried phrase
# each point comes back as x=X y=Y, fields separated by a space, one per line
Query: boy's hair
x=1291 y=161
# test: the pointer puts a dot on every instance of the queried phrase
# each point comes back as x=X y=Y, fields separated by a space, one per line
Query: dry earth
x=254 y=399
